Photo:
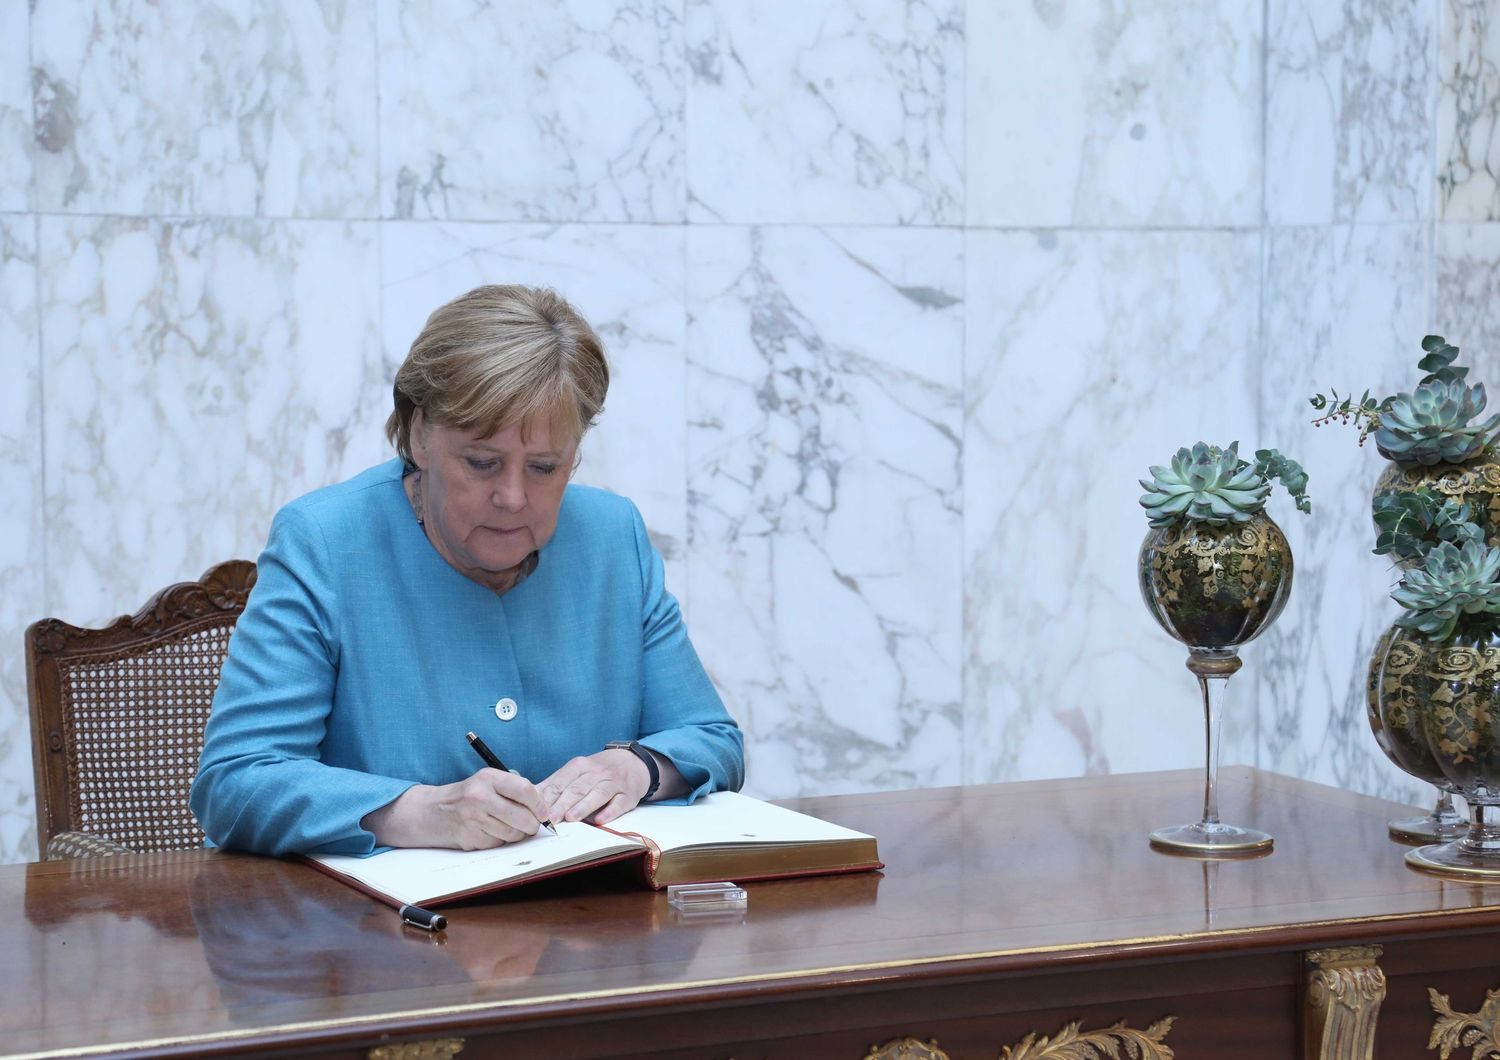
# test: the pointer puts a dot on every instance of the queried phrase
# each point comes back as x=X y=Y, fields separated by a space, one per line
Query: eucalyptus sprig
x=1270 y=464
x=1438 y=362
x=1436 y=422
x=1410 y=524
x=1364 y=413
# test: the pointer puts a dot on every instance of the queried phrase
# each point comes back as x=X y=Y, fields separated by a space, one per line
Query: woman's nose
x=510 y=492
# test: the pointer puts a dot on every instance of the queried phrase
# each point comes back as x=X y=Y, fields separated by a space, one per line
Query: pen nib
x=549 y=828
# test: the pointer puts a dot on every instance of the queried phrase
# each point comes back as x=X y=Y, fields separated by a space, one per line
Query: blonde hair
x=498 y=356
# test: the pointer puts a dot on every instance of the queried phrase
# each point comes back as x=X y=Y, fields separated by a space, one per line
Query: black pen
x=425 y=919
x=492 y=760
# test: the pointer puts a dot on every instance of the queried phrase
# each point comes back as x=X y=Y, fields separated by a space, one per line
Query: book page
x=727 y=818
x=413 y=875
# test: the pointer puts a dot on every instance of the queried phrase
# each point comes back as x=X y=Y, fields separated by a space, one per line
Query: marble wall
x=902 y=298
x=1346 y=295
x=1468 y=172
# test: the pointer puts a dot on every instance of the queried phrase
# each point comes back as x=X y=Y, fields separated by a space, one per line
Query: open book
x=723 y=836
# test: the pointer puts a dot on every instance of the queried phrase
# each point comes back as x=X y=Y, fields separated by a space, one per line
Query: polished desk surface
x=155 y=951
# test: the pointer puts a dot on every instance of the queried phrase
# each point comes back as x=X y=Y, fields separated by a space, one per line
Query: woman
x=464 y=586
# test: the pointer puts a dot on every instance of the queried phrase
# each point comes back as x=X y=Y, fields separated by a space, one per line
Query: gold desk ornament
x=1344 y=990
x=906 y=1049
x=1070 y=1044
x=435 y=1049
x=1459 y=1030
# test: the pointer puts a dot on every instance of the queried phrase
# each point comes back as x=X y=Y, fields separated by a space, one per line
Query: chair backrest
x=117 y=714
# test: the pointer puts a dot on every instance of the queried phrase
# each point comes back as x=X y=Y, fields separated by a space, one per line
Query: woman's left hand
x=599 y=787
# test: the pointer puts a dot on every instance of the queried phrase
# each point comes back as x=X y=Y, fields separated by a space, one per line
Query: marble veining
x=1468 y=133
x=1384 y=168
x=571 y=113
x=844 y=114
x=1103 y=113
x=1340 y=314
x=627 y=281
x=1304 y=94
x=22 y=549
x=824 y=488
x=1064 y=671
x=15 y=109
x=1349 y=114
x=230 y=108
x=1468 y=281
x=198 y=376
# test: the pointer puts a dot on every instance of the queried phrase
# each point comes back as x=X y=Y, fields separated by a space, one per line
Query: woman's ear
x=418 y=439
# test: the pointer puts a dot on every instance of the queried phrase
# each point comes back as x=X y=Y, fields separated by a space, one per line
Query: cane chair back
x=117 y=717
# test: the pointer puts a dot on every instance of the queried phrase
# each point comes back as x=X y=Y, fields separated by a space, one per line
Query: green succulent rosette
x=1434 y=424
x=1211 y=485
x=1204 y=484
x=1454 y=586
x=1437 y=423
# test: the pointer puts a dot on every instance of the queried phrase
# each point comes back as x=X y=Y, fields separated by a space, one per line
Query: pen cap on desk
x=425 y=919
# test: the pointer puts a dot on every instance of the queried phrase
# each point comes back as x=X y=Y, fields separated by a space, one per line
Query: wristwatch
x=645 y=756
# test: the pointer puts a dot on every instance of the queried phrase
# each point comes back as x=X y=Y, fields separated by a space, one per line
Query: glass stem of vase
x=1444 y=810
x=1213 y=689
x=1484 y=829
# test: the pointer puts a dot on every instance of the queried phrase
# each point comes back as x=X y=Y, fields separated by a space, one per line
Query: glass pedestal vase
x=1398 y=734
x=1442 y=824
x=1476 y=854
x=1450 y=692
x=1211 y=837
x=1214 y=588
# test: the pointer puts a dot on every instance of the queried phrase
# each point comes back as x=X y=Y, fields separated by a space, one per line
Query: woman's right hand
x=489 y=809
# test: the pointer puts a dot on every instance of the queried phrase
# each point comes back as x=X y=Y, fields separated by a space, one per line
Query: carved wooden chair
x=117 y=717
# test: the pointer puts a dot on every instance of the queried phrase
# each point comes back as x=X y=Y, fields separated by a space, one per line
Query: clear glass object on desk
x=707 y=899
x=1439 y=825
x=1210 y=836
x=1447 y=693
x=1398 y=734
x=1214 y=588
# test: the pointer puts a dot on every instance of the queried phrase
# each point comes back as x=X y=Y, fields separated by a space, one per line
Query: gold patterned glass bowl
x=1214 y=589
x=1475 y=483
x=1398 y=733
x=1449 y=694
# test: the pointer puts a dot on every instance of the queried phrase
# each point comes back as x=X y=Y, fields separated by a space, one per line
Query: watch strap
x=646 y=757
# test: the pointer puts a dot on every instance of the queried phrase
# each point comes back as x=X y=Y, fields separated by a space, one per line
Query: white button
x=506 y=709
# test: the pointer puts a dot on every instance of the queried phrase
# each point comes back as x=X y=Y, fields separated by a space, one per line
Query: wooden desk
x=1005 y=910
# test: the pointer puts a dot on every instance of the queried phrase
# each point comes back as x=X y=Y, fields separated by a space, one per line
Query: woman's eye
x=481 y=465
x=543 y=469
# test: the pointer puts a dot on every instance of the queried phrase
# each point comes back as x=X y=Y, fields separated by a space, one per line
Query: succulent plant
x=1432 y=425
x=1408 y=525
x=1207 y=484
x=1429 y=425
x=1455 y=584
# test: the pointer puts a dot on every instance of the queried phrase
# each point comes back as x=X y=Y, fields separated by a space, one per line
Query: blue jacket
x=362 y=658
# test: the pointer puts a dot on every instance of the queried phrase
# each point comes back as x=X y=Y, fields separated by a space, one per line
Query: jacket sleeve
x=682 y=716
x=260 y=785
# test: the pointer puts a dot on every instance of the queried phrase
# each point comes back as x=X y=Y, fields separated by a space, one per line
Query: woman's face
x=489 y=502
